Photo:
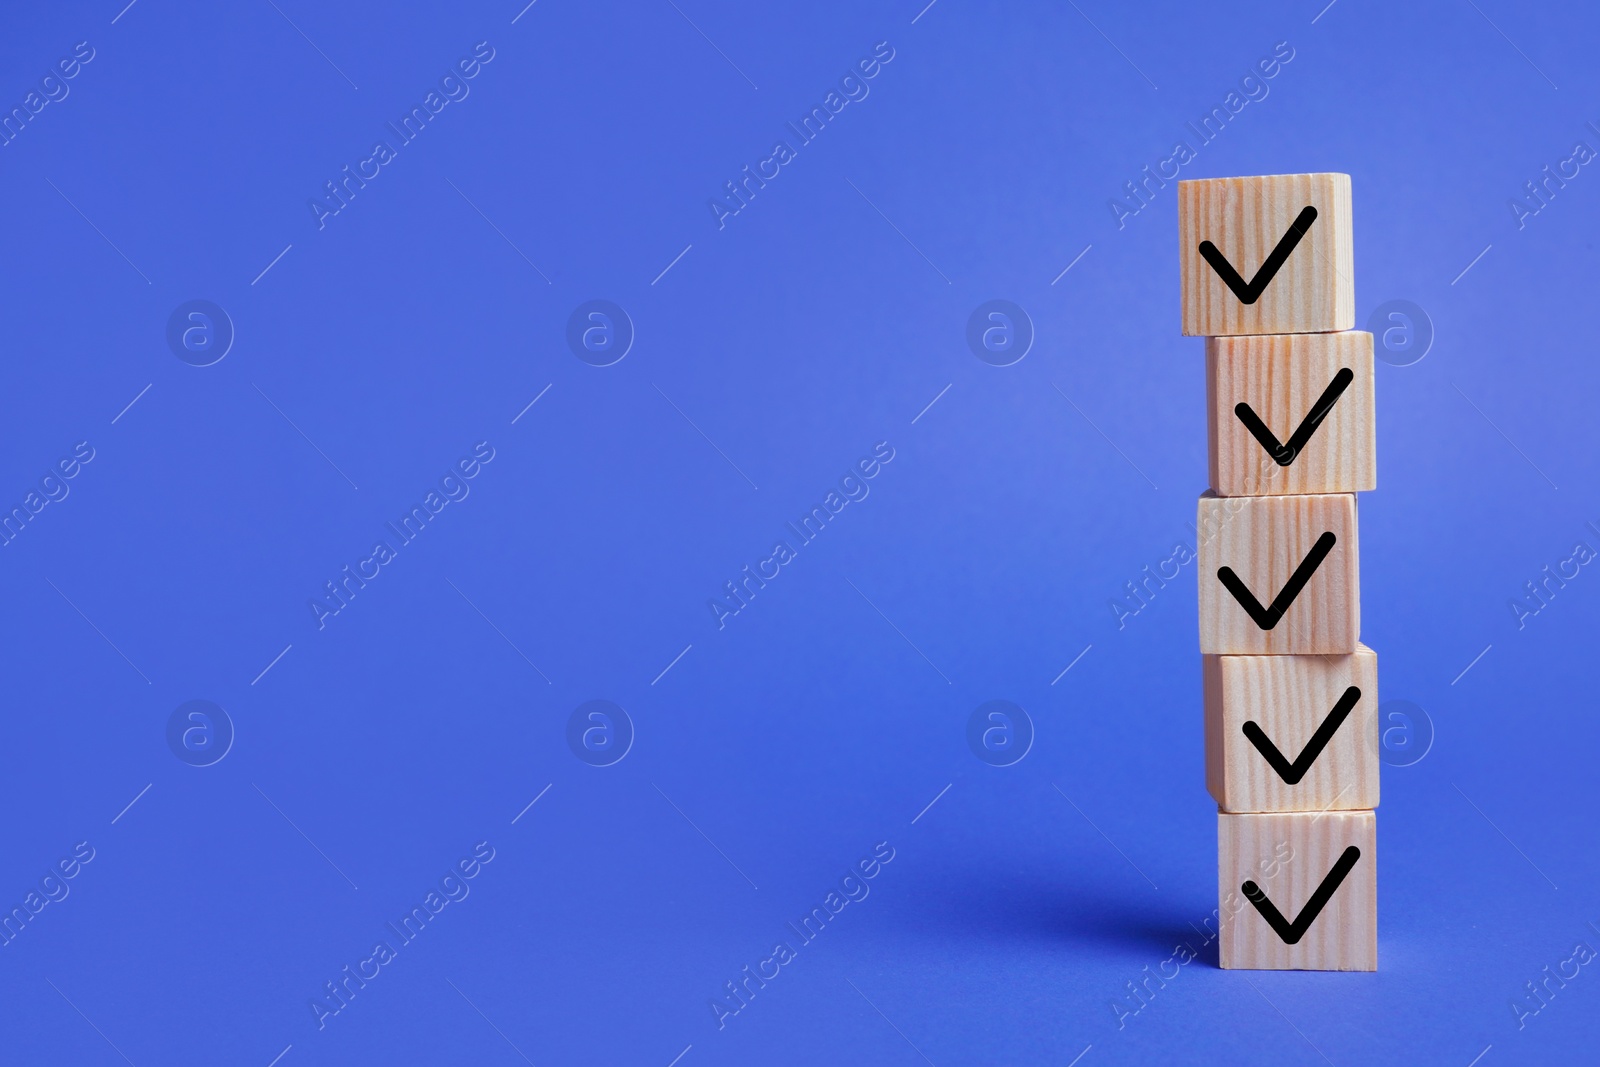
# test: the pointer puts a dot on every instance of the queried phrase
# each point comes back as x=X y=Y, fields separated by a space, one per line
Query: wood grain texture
x=1282 y=377
x=1288 y=856
x=1245 y=218
x=1264 y=540
x=1289 y=698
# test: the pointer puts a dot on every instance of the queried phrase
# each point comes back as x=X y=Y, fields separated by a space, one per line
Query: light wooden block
x=1246 y=220
x=1289 y=861
x=1267 y=543
x=1292 y=702
x=1284 y=382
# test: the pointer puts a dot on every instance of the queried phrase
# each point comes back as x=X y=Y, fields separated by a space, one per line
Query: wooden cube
x=1267 y=254
x=1278 y=575
x=1298 y=892
x=1291 y=413
x=1292 y=733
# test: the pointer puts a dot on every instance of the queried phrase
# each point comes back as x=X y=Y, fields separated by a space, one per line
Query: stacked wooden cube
x=1291 y=694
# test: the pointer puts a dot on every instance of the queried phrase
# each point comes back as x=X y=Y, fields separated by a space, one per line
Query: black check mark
x=1270 y=616
x=1249 y=292
x=1293 y=772
x=1292 y=932
x=1284 y=454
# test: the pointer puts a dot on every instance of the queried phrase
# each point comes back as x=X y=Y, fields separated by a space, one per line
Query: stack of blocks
x=1291 y=694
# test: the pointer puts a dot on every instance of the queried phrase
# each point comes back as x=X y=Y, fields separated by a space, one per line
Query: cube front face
x=1298 y=891
x=1279 y=575
x=1263 y=398
x=1291 y=268
x=1311 y=743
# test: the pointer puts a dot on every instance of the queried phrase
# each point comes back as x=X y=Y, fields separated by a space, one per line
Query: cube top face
x=1298 y=891
x=1268 y=254
x=1292 y=733
x=1279 y=575
x=1291 y=414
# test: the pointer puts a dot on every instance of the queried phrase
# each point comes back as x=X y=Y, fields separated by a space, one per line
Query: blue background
x=375 y=752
